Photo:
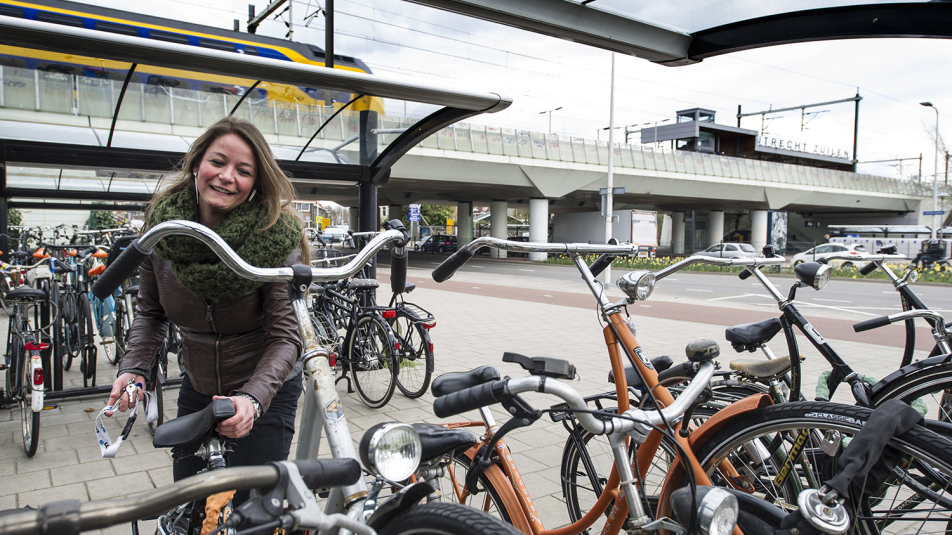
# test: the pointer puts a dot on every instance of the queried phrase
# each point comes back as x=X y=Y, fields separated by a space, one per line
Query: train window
x=216 y=45
x=169 y=37
x=251 y=51
x=121 y=29
x=11 y=11
x=57 y=18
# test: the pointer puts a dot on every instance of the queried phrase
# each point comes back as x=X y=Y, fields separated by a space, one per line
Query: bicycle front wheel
x=122 y=330
x=371 y=360
x=415 y=366
x=445 y=519
x=29 y=419
x=70 y=330
x=761 y=448
x=84 y=319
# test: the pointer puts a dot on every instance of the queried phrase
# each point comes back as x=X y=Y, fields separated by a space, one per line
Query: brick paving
x=474 y=328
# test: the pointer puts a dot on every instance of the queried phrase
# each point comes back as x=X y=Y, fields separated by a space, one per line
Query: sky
x=543 y=73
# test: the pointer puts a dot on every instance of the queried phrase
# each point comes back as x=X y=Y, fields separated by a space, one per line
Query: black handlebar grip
x=398 y=271
x=868 y=268
x=871 y=324
x=121 y=269
x=469 y=399
x=88 y=251
x=601 y=263
x=685 y=369
x=449 y=266
x=744 y=275
x=323 y=473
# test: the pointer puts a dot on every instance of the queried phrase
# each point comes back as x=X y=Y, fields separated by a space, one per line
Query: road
x=860 y=298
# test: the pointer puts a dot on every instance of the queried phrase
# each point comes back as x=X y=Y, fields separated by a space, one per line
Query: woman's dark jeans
x=269 y=440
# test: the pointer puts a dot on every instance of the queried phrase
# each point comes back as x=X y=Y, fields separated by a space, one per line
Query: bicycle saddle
x=749 y=336
x=762 y=369
x=702 y=350
x=26 y=294
x=456 y=381
x=354 y=284
x=132 y=290
x=437 y=440
x=190 y=428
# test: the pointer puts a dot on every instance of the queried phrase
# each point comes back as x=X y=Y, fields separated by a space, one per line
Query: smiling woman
x=240 y=337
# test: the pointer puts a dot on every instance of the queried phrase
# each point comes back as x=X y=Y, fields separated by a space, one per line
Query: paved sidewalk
x=472 y=330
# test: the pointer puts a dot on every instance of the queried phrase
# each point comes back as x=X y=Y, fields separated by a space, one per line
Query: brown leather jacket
x=248 y=344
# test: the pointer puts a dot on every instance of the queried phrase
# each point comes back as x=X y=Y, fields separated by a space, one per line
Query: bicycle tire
x=70 y=331
x=452 y=485
x=87 y=362
x=57 y=347
x=923 y=456
x=445 y=519
x=415 y=365
x=11 y=358
x=372 y=362
x=30 y=420
x=122 y=330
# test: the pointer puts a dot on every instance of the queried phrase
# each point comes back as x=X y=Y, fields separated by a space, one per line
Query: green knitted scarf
x=199 y=269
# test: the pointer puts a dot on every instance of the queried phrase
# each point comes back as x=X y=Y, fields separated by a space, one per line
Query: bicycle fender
x=700 y=436
x=400 y=502
x=505 y=490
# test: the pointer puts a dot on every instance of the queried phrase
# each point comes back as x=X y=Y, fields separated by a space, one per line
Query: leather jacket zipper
x=211 y=320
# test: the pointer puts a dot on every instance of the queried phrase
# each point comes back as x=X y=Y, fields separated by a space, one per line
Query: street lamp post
x=550 y=116
x=935 y=176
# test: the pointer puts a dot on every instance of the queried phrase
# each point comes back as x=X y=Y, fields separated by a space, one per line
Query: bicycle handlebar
x=75 y=516
x=497 y=391
x=939 y=321
x=748 y=262
x=449 y=266
x=129 y=260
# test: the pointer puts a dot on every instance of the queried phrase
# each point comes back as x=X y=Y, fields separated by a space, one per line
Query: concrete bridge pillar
x=715 y=226
x=498 y=225
x=758 y=229
x=677 y=233
x=464 y=223
x=352 y=219
x=538 y=225
x=394 y=211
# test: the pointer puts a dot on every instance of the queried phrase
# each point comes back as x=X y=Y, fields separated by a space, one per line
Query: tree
x=431 y=214
x=14 y=217
x=99 y=220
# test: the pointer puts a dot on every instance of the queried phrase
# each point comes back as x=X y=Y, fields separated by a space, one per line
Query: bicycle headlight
x=813 y=274
x=391 y=450
x=637 y=285
x=716 y=510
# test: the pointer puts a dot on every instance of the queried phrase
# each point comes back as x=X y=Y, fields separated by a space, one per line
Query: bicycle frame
x=791 y=316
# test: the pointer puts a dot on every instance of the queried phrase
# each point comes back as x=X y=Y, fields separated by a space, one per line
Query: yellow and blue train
x=161 y=29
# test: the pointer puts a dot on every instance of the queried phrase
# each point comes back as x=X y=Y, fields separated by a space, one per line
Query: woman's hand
x=241 y=423
x=117 y=396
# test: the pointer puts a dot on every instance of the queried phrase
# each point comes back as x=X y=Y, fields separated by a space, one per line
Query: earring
x=195 y=178
x=252 y=196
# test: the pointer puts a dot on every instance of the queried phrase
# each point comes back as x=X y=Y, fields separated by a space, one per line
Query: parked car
x=822 y=251
x=729 y=250
x=441 y=243
x=335 y=234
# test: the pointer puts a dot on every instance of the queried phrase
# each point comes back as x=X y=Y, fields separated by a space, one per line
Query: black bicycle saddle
x=192 y=427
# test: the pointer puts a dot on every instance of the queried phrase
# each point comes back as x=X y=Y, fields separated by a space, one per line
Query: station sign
x=415 y=213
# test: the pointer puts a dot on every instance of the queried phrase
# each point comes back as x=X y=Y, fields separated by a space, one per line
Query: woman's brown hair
x=272 y=185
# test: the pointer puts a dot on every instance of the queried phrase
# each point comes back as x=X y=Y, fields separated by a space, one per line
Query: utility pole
x=329 y=34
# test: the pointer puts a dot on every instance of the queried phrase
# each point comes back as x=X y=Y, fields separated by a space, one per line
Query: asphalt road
x=862 y=298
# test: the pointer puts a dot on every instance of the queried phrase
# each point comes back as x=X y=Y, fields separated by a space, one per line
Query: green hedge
x=655 y=264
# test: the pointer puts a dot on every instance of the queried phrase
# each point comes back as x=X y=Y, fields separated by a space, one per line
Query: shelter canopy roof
x=681 y=32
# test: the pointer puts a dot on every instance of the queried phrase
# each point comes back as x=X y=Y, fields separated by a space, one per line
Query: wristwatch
x=254 y=402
